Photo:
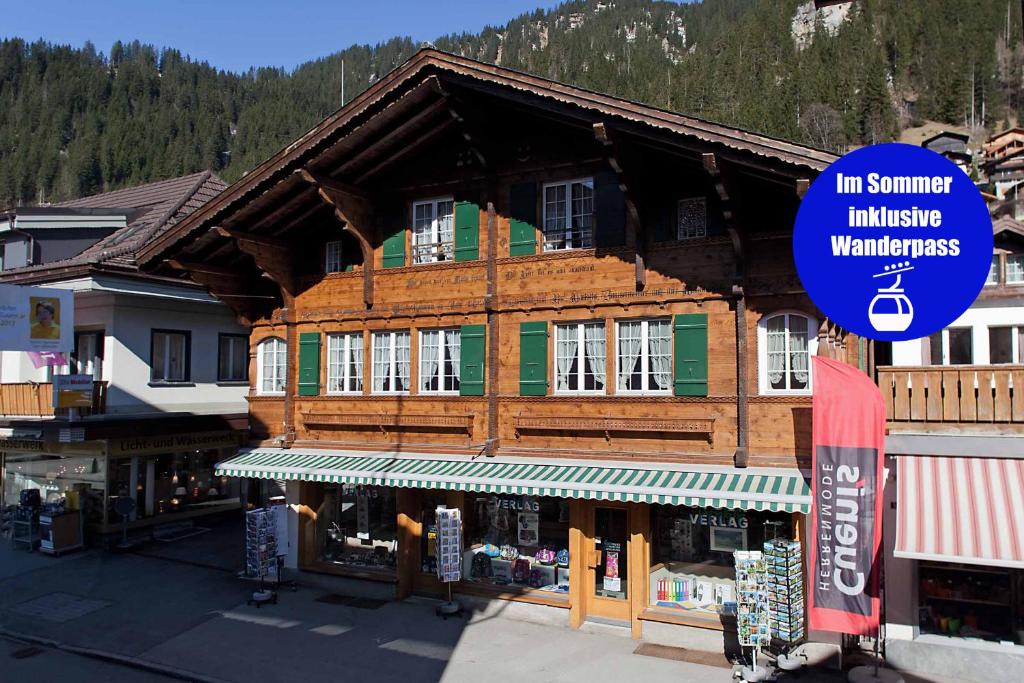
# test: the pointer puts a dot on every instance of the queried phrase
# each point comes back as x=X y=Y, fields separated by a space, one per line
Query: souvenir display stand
x=753 y=617
x=784 y=563
x=449 y=555
x=261 y=552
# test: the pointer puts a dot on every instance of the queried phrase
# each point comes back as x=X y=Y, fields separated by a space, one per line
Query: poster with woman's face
x=36 y=319
x=45 y=318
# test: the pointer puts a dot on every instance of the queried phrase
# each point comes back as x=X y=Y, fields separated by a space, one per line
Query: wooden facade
x=490 y=141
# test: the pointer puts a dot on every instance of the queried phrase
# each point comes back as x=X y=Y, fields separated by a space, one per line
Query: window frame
x=442 y=346
x=330 y=266
x=581 y=358
x=234 y=337
x=567 y=229
x=187 y=363
x=997 y=263
x=1015 y=343
x=392 y=361
x=435 y=231
x=679 y=205
x=644 y=357
x=346 y=363
x=764 y=385
x=1006 y=270
x=261 y=349
x=75 y=362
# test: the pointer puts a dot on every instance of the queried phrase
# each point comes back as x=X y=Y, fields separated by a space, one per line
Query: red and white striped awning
x=959 y=509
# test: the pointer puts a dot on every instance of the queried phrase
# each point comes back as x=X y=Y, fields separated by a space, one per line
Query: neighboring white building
x=170 y=363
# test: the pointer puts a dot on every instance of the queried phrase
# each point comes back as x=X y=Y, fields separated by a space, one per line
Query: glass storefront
x=55 y=476
x=971 y=602
x=171 y=482
x=356 y=526
x=692 y=563
x=516 y=542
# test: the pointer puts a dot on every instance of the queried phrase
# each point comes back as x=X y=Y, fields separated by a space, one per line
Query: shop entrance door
x=606 y=590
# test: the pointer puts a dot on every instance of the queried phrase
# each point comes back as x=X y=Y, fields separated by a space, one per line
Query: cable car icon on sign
x=891 y=310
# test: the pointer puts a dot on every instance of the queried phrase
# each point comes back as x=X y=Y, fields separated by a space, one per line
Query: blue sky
x=237 y=34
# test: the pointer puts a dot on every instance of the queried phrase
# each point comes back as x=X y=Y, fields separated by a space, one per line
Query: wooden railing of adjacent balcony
x=35 y=399
x=950 y=394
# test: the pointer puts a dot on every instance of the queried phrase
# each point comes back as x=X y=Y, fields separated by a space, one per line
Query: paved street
x=179 y=607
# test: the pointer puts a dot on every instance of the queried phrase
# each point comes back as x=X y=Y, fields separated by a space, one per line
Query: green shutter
x=471 y=360
x=533 y=359
x=309 y=363
x=394 y=238
x=523 y=220
x=691 y=354
x=609 y=210
x=467 y=231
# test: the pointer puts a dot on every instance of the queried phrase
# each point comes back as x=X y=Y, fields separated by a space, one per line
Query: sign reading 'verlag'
x=36 y=319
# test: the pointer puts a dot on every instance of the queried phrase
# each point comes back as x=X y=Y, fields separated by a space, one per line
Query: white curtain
x=798 y=349
x=402 y=360
x=445 y=227
x=452 y=340
x=659 y=349
x=595 y=350
x=381 y=363
x=776 y=349
x=428 y=359
x=356 y=351
x=567 y=353
x=629 y=352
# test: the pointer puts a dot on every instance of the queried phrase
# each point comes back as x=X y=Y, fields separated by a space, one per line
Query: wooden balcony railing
x=962 y=393
x=35 y=399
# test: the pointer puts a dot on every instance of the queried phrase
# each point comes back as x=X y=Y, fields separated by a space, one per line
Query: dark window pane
x=961 y=351
x=935 y=348
x=1000 y=344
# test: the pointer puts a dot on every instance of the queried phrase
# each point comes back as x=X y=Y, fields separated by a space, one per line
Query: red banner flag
x=846 y=487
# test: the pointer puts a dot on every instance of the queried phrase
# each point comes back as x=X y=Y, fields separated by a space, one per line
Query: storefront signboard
x=172 y=443
x=848 y=430
x=36 y=319
x=72 y=391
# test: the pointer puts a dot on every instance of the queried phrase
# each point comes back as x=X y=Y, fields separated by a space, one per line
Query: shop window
x=356 y=526
x=345 y=363
x=57 y=477
x=433 y=234
x=568 y=215
x=233 y=358
x=644 y=356
x=430 y=501
x=692 y=563
x=333 y=257
x=439 y=360
x=517 y=542
x=271 y=363
x=786 y=343
x=390 y=362
x=579 y=357
x=692 y=218
x=171 y=482
x=973 y=602
x=169 y=356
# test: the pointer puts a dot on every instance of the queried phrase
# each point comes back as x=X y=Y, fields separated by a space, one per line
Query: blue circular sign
x=893 y=242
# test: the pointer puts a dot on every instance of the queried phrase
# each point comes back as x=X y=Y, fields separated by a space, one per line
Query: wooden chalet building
x=574 y=317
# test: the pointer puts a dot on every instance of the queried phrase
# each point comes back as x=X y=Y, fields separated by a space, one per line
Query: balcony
x=953 y=395
x=35 y=399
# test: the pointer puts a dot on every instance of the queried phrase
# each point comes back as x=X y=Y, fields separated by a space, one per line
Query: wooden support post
x=741 y=457
x=639 y=564
x=492 y=356
x=580 y=544
x=410 y=530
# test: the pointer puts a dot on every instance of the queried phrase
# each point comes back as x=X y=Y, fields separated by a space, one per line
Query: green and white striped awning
x=719 y=487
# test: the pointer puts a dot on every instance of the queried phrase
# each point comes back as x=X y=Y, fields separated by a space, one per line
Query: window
x=1014 y=268
x=961 y=347
x=644 y=356
x=579 y=357
x=433 y=235
x=692 y=218
x=87 y=358
x=439 y=360
x=169 y=356
x=785 y=346
x=357 y=526
x=233 y=358
x=1001 y=343
x=390 y=362
x=935 y=354
x=568 y=215
x=344 y=363
x=993 y=271
x=272 y=357
x=333 y=257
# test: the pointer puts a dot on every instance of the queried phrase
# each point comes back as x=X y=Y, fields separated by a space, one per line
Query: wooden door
x=607 y=592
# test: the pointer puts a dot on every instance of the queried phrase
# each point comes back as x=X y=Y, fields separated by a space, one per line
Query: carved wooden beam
x=228 y=286
x=725 y=189
x=352 y=207
x=272 y=256
x=802 y=184
x=395 y=135
x=604 y=137
x=406 y=149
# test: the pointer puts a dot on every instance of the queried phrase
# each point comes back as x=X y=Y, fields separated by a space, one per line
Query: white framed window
x=333 y=257
x=390 y=362
x=169 y=356
x=692 y=218
x=433 y=230
x=580 y=358
x=440 y=353
x=951 y=346
x=1005 y=344
x=271 y=357
x=87 y=358
x=644 y=356
x=1014 y=268
x=345 y=363
x=569 y=214
x=786 y=342
x=233 y=358
x=993 y=271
